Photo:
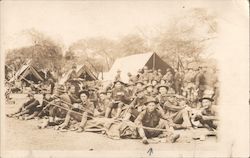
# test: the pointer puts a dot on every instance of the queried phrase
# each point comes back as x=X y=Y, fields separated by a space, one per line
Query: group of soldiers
x=157 y=104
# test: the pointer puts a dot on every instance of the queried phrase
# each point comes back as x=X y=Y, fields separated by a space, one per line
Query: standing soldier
x=159 y=74
x=200 y=81
x=73 y=74
x=178 y=82
x=118 y=75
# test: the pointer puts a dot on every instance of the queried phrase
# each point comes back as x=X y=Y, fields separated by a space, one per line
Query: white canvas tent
x=80 y=69
x=135 y=62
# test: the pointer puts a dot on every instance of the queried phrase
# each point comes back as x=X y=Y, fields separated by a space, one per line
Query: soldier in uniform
x=119 y=97
x=177 y=112
x=162 y=97
x=93 y=96
x=149 y=90
x=28 y=108
x=118 y=75
x=136 y=106
x=86 y=108
x=73 y=74
x=153 y=118
x=159 y=74
x=200 y=81
x=209 y=115
x=102 y=103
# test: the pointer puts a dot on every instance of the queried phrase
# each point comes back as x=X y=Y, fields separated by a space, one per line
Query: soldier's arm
x=173 y=107
x=139 y=119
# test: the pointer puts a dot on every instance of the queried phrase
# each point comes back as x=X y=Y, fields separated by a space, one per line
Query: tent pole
x=153 y=61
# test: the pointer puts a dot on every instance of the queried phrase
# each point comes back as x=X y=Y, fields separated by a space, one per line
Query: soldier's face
x=151 y=107
x=108 y=95
x=140 y=94
x=47 y=96
x=163 y=90
x=118 y=85
x=206 y=103
x=72 y=89
x=163 y=82
x=102 y=96
x=83 y=97
x=149 y=89
x=138 y=85
x=154 y=83
x=171 y=98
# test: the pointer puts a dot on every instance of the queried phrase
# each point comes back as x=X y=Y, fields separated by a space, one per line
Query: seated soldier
x=83 y=111
x=28 y=107
x=102 y=103
x=177 y=110
x=72 y=93
x=208 y=116
x=56 y=114
x=47 y=100
x=153 y=118
x=162 y=97
x=119 y=99
x=136 y=106
x=93 y=96
x=149 y=90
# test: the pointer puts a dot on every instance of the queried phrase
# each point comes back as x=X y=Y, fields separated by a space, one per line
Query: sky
x=69 y=21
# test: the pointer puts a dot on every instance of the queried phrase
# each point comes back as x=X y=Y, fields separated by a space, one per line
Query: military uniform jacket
x=119 y=95
x=149 y=119
x=138 y=102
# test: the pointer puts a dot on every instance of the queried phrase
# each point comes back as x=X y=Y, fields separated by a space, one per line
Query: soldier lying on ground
x=152 y=117
x=28 y=107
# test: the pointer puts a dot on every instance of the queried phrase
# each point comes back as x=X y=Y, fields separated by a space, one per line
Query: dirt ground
x=24 y=135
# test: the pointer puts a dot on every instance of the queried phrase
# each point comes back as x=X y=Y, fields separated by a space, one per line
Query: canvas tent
x=81 y=71
x=29 y=73
x=135 y=62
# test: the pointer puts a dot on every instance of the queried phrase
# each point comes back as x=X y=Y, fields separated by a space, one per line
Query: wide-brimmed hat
x=138 y=90
x=211 y=99
x=84 y=92
x=150 y=99
x=103 y=92
x=162 y=85
x=139 y=81
x=116 y=81
x=148 y=85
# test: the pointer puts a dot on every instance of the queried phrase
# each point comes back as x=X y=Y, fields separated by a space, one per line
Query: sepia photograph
x=124 y=78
